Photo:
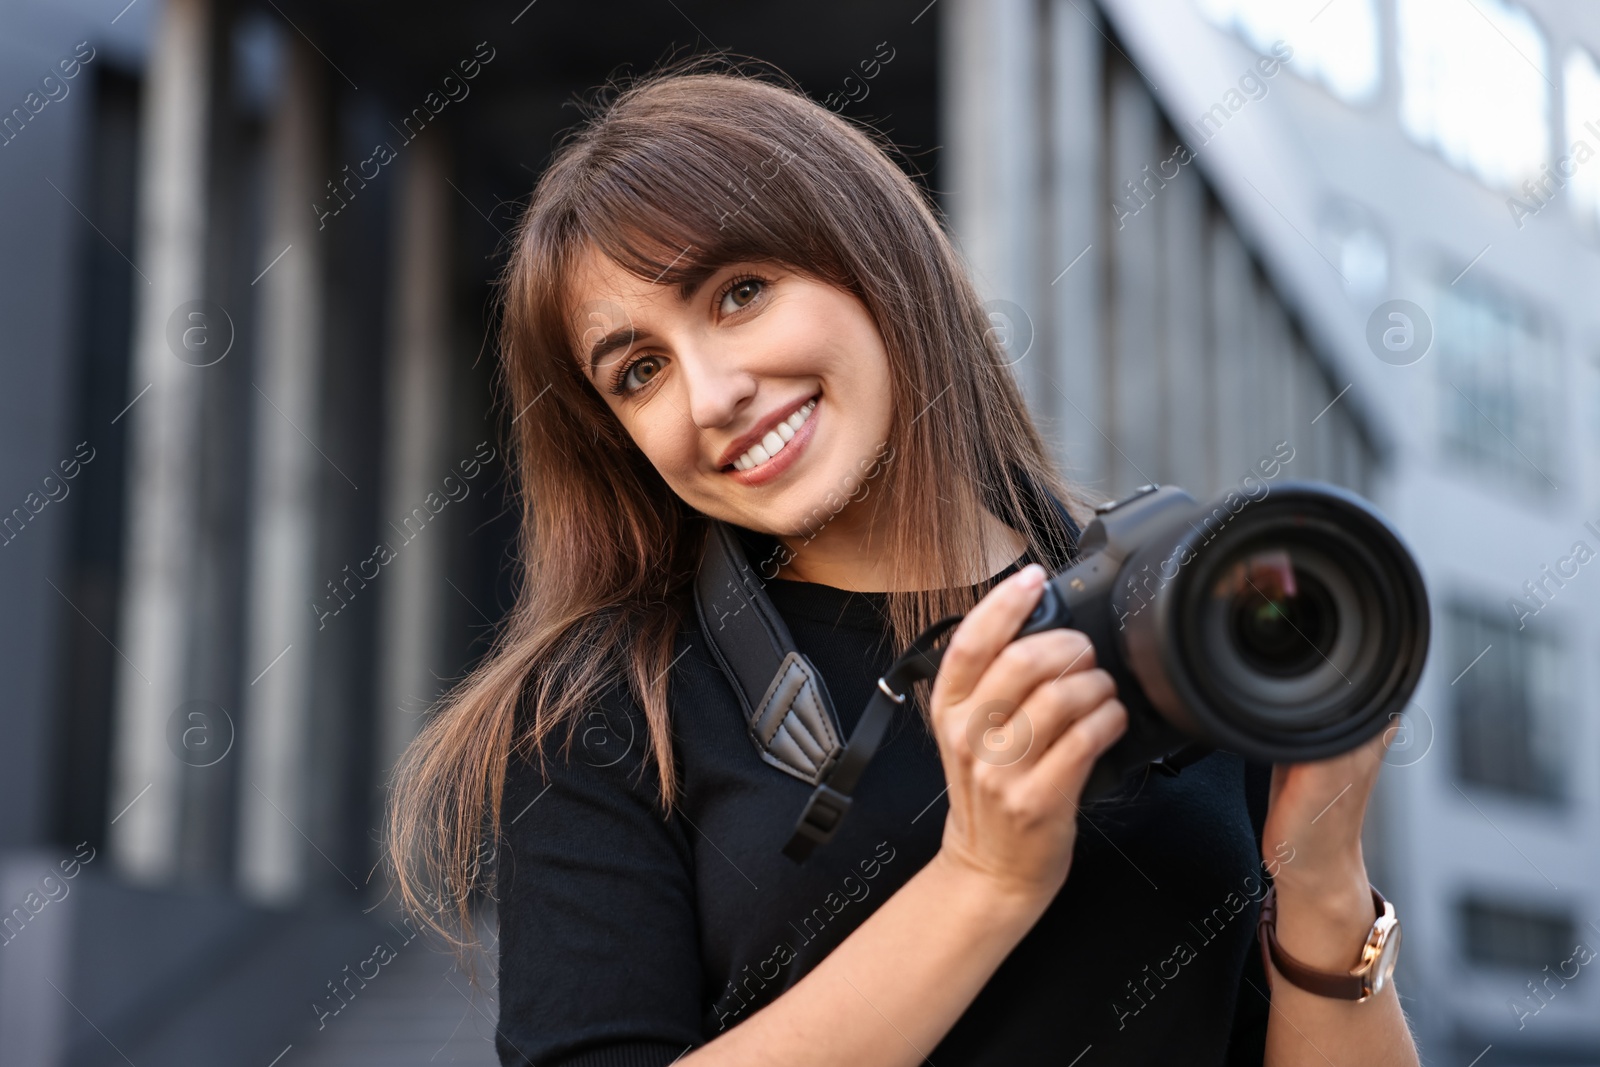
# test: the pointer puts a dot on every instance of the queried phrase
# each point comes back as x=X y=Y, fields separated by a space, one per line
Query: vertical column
x=282 y=627
x=1311 y=397
x=1274 y=416
x=415 y=449
x=163 y=483
x=1252 y=353
x=1079 y=210
x=1231 y=307
x=1135 y=312
x=1184 y=266
x=990 y=116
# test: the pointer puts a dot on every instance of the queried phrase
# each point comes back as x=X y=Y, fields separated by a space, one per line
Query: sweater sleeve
x=599 y=952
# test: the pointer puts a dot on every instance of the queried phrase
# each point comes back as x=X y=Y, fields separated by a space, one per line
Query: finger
x=1025 y=665
x=1369 y=761
x=1378 y=747
x=1049 y=711
x=1065 y=765
x=990 y=721
x=986 y=630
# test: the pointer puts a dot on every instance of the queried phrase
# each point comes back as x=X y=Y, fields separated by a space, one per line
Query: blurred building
x=1400 y=220
x=1420 y=181
x=248 y=265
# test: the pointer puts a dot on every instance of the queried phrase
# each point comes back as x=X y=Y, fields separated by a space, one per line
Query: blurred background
x=253 y=510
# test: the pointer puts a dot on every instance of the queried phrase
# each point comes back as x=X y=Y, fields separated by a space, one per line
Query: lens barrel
x=1287 y=628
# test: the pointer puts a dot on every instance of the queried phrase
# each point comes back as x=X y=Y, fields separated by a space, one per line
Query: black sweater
x=627 y=938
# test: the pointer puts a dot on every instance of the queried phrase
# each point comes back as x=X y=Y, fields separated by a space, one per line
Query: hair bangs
x=674 y=205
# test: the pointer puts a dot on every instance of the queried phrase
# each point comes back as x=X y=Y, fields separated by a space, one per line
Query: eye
x=741 y=294
x=646 y=366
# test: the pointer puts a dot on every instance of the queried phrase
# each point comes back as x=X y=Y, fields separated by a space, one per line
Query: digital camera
x=1288 y=628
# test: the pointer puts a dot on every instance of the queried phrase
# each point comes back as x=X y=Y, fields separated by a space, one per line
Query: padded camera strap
x=790 y=715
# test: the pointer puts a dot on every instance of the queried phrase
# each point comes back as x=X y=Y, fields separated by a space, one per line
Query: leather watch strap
x=1344 y=986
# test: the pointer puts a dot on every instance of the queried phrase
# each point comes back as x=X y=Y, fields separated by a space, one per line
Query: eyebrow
x=611 y=342
x=693 y=281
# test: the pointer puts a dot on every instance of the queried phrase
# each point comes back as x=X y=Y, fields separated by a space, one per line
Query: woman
x=726 y=303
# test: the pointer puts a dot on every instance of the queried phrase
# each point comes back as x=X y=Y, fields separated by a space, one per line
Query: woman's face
x=761 y=397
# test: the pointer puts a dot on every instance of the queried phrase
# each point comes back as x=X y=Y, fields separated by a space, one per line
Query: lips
x=764 y=435
x=747 y=472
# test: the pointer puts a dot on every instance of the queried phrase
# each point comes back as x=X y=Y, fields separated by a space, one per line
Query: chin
x=821 y=506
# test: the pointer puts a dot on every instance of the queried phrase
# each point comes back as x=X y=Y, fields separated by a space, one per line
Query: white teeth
x=775 y=439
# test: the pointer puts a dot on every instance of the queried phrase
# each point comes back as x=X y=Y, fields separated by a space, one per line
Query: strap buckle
x=818 y=822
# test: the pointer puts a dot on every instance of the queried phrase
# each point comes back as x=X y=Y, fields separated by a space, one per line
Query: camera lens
x=1282 y=619
x=1289 y=628
x=1284 y=626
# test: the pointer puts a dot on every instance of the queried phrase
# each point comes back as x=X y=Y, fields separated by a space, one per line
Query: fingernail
x=1032 y=575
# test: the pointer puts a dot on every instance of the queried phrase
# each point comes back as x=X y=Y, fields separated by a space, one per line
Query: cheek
x=668 y=439
x=872 y=401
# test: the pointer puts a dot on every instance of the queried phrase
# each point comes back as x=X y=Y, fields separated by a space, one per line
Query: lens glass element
x=1282 y=619
x=1284 y=625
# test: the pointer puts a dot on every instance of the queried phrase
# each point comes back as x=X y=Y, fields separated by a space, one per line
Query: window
x=1592 y=418
x=1354 y=235
x=1335 y=44
x=1502 y=935
x=1364 y=262
x=1475 y=86
x=1499 y=372
x=1581 y=93
x=1508 y=704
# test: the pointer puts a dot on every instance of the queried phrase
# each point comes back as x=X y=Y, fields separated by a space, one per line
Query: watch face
x=1388 y=956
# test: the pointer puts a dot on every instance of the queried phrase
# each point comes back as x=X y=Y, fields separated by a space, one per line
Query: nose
x=718 y=386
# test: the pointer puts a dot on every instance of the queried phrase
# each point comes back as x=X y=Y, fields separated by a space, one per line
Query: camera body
x=1286 y=628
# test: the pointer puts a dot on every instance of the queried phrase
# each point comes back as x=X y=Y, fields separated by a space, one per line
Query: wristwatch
x=1369 y=977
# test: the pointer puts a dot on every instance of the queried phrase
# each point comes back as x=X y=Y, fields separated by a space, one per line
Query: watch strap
x=1346 y=986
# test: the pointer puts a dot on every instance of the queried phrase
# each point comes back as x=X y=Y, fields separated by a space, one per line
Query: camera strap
x=788 y=712
x=786 y=705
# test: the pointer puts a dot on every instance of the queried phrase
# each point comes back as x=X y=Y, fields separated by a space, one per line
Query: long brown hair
x=674 y=177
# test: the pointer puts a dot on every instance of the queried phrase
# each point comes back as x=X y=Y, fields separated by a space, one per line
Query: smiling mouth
x=775 y=440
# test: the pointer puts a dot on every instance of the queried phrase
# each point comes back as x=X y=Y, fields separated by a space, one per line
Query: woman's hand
x=1325 y=913
x=1325 y=907
x=1019 y=726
